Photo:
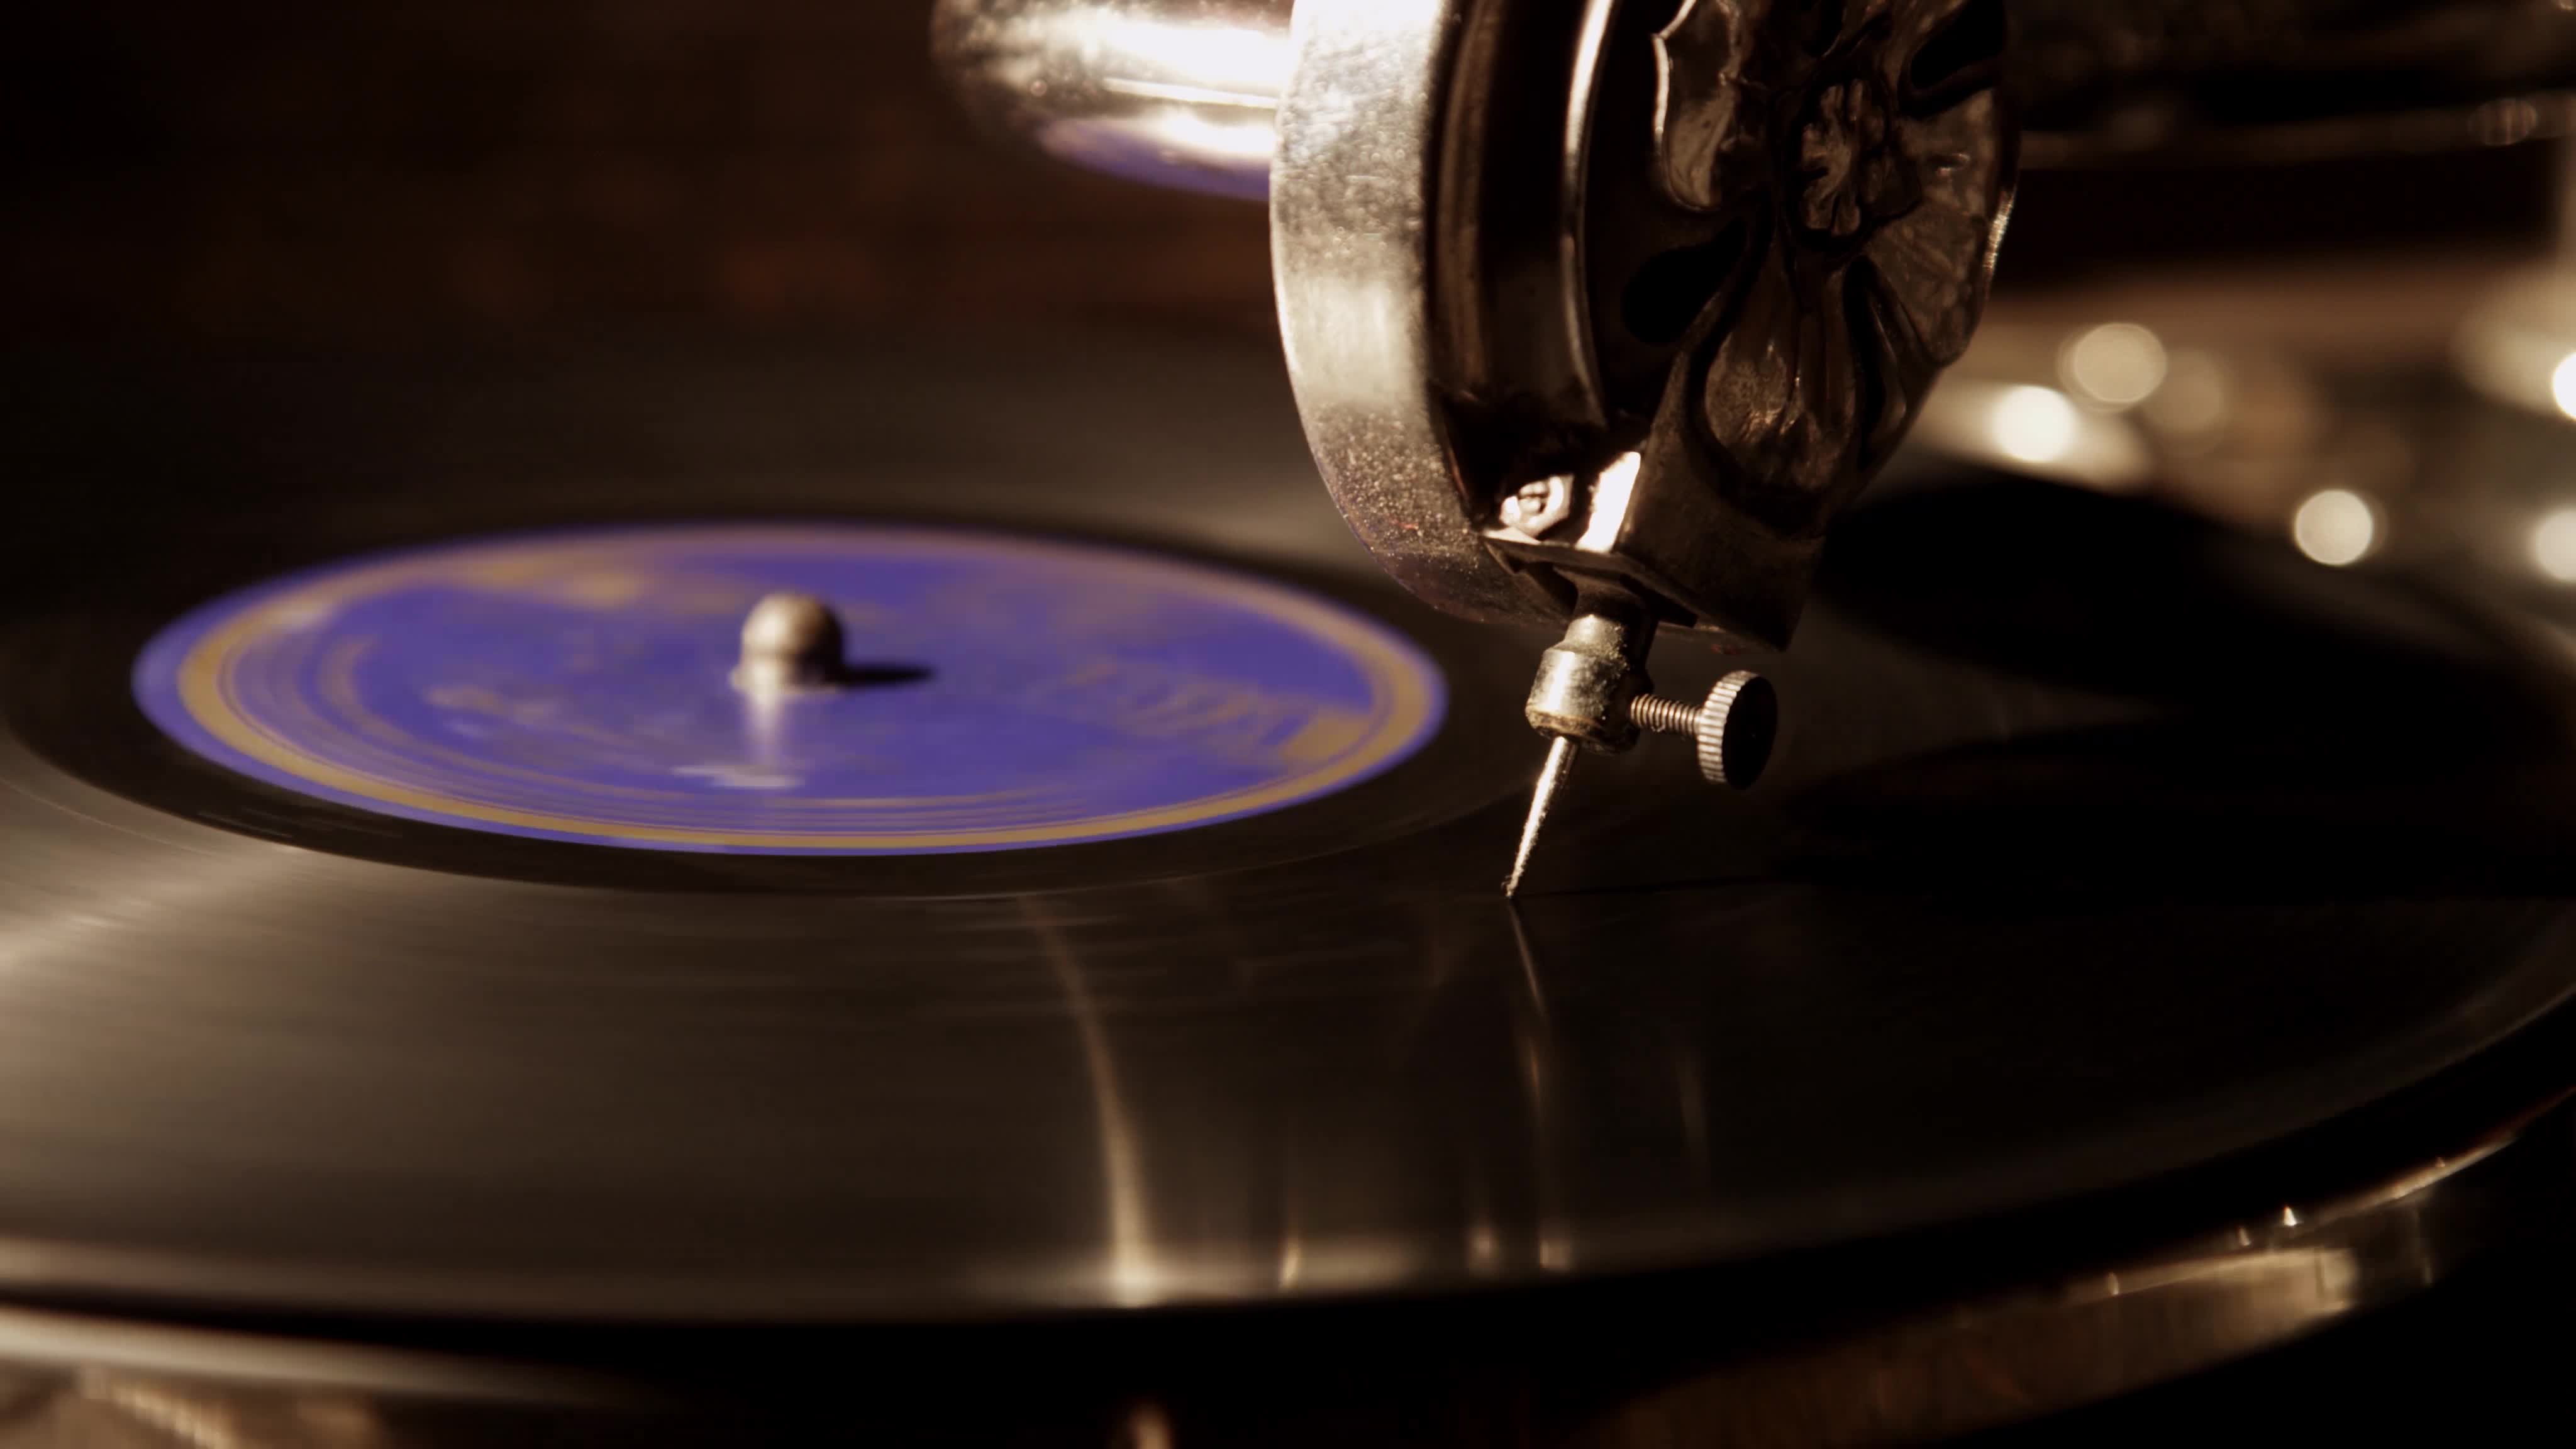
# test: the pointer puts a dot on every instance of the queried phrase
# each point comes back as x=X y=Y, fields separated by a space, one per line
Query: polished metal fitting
x=1585 y=683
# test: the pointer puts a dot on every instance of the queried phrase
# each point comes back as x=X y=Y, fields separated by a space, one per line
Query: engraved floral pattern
x=1863 y=158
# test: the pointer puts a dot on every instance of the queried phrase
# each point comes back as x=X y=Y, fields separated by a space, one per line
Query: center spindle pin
x=791 y=643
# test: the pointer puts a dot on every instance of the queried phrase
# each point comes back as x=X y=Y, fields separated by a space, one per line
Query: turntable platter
x=2012 y=928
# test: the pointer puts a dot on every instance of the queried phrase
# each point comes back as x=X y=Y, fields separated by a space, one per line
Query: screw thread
x=1663 y=716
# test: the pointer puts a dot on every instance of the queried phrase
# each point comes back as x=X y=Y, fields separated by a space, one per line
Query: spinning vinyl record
x=406 y=913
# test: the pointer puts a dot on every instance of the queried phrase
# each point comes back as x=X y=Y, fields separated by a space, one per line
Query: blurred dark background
x=401 y=171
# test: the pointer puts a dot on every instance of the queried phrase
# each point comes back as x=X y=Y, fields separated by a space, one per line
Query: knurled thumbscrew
x=1734 y=727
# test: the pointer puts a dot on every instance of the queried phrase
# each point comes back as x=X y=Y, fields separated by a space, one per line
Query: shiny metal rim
x=2255 y=1285
x=1362 y=129
x=2245 y=1288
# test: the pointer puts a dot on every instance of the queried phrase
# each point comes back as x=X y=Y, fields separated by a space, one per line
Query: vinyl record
x=2131 y=856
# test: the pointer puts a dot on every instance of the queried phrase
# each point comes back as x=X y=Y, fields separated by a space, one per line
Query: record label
x=1000 y=692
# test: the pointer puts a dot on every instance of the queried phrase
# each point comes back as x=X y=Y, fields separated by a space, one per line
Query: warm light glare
x=1610 y=495
x=2562 y=385
x=1187 y=133
x=2193 y=399
x=2034 y=425
x=2336 y=526
x=1248 y=63
x=2553 y=543
x=2119 y=364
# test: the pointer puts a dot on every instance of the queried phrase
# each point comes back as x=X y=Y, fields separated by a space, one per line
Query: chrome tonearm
x=1597 y=313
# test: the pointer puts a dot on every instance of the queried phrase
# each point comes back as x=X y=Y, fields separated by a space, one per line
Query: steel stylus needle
x=1560 y=763
x=1591 y=691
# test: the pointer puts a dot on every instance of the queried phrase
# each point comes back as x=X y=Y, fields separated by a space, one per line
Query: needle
x=1560 y=763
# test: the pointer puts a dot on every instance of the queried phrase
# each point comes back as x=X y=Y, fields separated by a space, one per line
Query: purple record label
x=1004 y=692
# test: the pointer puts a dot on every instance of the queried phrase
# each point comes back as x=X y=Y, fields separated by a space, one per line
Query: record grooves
x=2003 y=954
